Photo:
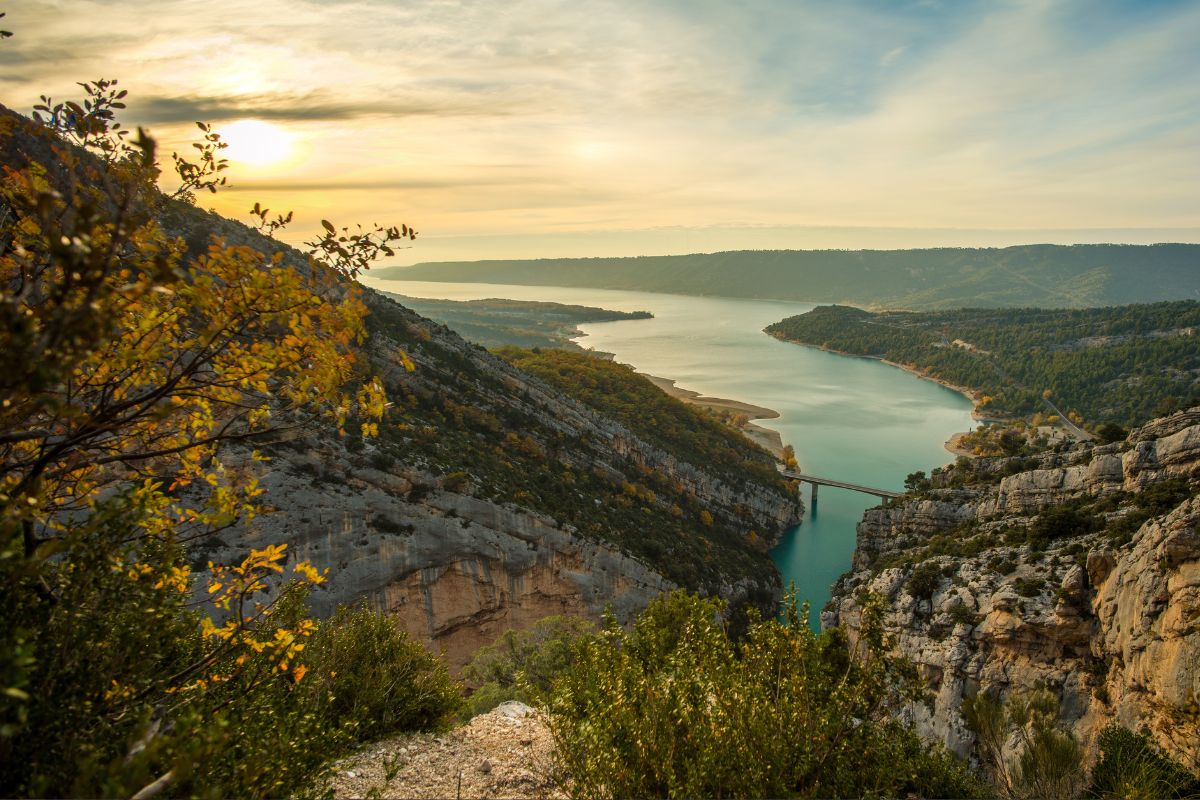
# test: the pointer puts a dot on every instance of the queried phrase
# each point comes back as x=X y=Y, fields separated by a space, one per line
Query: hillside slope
x=1121 y=364
x=491 y=499
x=522 y=323
x=1044 y=275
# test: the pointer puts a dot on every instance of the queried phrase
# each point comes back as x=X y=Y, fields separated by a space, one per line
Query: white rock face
x=457 y=569
x=1113 y=628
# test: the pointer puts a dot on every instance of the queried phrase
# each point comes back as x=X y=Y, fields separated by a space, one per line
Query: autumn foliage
x=129 y=366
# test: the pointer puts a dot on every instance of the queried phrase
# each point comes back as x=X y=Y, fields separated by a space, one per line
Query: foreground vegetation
x=129 y=358
x=675 y=707
x=1116 y=366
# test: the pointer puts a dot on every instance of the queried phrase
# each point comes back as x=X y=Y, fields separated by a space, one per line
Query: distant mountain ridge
x=1071 y=276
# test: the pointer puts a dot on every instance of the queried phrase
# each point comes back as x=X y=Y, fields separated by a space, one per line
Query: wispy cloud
x=533 y=116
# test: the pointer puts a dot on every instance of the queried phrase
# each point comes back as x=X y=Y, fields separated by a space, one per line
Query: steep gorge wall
x=455 y=570
x=456 y=565
x=1113 y=627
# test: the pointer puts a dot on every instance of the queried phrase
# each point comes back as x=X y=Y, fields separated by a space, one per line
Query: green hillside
x=1074 y=276
x=522 y=323
x=1119 y=365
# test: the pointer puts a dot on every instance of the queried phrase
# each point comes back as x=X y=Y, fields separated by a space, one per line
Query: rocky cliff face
x=455 y=569
x=1079 y=571
x=491 y=500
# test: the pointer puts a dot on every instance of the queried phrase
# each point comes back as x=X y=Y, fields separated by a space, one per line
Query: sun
x=254 y=142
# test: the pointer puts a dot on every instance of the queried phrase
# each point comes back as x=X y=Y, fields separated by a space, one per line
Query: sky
x=535 y=128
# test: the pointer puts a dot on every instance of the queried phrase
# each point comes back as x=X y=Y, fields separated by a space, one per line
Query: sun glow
x=254 y=142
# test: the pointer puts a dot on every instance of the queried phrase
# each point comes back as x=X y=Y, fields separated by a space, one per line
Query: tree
x=917 y=482
x=1110 y=432
x=128 y=365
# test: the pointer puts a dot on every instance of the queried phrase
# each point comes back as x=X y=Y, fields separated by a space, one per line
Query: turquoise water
x=850 y=419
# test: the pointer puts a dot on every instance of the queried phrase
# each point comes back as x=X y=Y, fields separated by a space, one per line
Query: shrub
x=1029 y=587
x=1047 y=762
x=675 y=708
x=1059 y=522
x=458 y=482
x=924 y=581
x=961 y=614
x=369 y=679
x=1131 y=765
x=385 y=524
x=123 y=682
x=522 y=665
x=382 y=460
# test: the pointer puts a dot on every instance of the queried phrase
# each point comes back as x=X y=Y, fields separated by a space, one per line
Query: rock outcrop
x=507 y=752
x=1078 y=571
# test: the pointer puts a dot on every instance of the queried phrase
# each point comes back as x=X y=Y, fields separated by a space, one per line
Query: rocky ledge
x=1075 y=570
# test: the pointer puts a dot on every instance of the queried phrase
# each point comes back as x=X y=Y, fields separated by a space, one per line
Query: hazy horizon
x=680 y=242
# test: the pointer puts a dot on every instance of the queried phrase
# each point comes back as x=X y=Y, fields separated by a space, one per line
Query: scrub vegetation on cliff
x=1058 y=591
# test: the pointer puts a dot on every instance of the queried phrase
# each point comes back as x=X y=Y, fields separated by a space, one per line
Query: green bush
x=1029 y=587
x=1132 y=766
x=369 y=679
x=1060 y=522
x=924 y=580
x=674 y=708
x=111 y=682
x=1047 y=763
x=522 y=665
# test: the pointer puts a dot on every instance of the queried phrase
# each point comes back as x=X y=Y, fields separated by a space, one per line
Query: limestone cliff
x=1077 y=570
x=491 y=499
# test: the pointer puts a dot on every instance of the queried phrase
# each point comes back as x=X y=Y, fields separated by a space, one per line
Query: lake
x=850 y=419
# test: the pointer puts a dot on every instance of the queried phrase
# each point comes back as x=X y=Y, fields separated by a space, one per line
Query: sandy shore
x=767 y=439
x=954 y=445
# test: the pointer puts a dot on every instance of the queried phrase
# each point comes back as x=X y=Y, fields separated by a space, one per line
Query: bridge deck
x=813 y=479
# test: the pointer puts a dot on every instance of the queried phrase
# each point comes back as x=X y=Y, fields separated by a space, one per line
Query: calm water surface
x=850 y=419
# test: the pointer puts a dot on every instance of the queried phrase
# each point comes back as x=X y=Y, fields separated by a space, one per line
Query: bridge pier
x=814 y=494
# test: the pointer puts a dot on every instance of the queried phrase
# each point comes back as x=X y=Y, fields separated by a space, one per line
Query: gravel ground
x=506 y=753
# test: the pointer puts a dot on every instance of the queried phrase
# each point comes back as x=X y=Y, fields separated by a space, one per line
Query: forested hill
x=1120 y=365
x=523 y=323
x=1071 y=276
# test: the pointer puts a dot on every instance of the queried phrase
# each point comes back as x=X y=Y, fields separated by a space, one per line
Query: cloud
x=396 y=184
x=539 y=115
x=294 y=108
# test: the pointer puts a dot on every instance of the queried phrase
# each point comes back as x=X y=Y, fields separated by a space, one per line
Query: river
x=850 y=419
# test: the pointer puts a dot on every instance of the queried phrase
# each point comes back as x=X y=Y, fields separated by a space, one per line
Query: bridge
x=883 y=494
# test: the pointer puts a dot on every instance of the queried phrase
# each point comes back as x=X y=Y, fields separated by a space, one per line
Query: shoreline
x=768 y=439
x=951 y=445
